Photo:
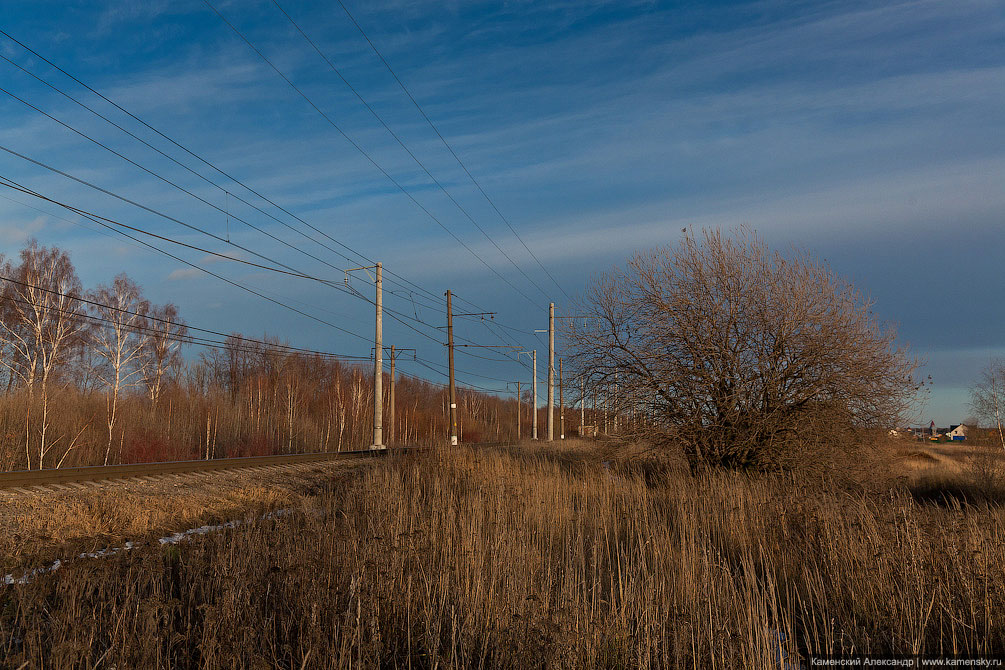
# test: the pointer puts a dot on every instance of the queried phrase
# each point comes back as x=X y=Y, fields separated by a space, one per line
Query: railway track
x=23 y=481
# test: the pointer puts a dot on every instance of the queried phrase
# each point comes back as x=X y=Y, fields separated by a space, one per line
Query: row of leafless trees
x=98 y=376
x=53 y=332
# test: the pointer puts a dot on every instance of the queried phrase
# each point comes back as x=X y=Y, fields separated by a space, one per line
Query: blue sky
x=869 y=133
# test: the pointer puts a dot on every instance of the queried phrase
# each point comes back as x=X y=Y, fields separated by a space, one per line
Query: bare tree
x=230 y=365
x=120 y=341
x=162 y=352
x=8 y=317
x=987 y=397
x=41 y=322
x=751 y=358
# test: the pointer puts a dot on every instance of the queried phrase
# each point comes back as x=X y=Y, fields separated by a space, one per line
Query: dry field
x=530 y=557
x=943 y=473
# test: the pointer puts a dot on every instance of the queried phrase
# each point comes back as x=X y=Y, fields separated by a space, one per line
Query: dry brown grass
x=954 y=475
x=536 y=558
x=54 y=524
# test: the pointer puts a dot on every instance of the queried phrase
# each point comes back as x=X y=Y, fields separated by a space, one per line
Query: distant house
x=957 y=433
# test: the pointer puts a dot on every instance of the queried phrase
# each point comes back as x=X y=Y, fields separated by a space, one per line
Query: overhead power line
x=411 y=154
x=401 y=280
x=366 y=155
x=10 y=183
x=98 y=219
x=232 y=282
x=395 y=278
x=156 y=319
x=103 y=220
x=447 y=145
x=145 y=208
x=235 y=341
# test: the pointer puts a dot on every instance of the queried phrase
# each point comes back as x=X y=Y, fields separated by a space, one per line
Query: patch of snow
x=175 y=538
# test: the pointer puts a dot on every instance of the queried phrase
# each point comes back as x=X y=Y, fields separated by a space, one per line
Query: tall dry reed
x=494 y=559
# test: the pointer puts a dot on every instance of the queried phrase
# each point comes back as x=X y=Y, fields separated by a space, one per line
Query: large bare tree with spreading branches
x=742 y=356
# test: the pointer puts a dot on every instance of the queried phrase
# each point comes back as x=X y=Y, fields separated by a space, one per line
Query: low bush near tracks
x=465 y=558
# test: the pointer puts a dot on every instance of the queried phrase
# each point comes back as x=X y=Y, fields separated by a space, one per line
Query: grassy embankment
x=537 y=558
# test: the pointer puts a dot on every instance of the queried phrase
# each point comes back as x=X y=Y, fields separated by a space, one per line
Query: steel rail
x=25 y=478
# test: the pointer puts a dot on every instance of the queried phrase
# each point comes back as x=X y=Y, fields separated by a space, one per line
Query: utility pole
x=561 y=402
x=534 y=431
x=519 y=407
x=551 y=372
x=453 y=390
x=390 y=402
x=378 y=355
x=378 y=366
x=582 y=406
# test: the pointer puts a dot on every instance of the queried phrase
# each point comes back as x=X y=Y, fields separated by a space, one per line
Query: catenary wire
x=366 y=155
x=173 y=160
x=298 y=273
x=211 y=165
x=10 y=183
x=400 y=280
x=402 y=144
x=99 y=220
x=447 y=145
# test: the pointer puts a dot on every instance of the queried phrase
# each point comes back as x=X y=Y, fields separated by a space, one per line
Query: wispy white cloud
x=13 y=234
x=185 y=273
x=118 y=13
x=597 y=127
